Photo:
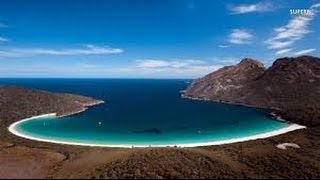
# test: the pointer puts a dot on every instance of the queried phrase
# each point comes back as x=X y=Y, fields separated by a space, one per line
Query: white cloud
x=153 y=63
x=249 y=8
x=315 y=6
x=283 y=51
x=2 y=39
x=194 y=69
x=172 y=68
x=87 y=50
x=225 y=60
x=294 y=30
x=223 y=46
x=240 y=36
x=278 y=44
x=150 y=63
x=304 y=51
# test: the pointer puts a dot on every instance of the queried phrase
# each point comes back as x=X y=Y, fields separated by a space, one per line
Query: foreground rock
x=290 y=85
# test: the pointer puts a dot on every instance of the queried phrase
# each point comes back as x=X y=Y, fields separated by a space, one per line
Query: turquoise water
x=143 y=112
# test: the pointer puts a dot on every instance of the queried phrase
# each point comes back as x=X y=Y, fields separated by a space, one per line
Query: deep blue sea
x=143 y=112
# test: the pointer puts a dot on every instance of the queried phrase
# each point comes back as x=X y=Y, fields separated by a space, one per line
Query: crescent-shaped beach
x=12 y=128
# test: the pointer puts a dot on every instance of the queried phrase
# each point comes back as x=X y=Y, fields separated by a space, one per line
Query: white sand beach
x=289 y=128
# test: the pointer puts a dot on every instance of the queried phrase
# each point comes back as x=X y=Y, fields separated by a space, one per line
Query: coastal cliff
x=291 y=86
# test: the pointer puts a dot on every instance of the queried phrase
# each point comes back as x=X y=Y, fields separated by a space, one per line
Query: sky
x=150 y=38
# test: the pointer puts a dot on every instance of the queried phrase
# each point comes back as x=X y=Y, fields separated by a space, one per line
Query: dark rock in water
x=148 y=131
x=290 y=85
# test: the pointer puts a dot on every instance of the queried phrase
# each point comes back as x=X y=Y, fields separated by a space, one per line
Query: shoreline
x=273 y=114
x=289 y=128
x=230 y=103
x=85 y=106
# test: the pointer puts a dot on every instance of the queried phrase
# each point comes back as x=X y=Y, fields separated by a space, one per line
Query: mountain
x=291 y=86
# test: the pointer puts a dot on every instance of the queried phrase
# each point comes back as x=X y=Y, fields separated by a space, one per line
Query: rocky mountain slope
x=290 y=85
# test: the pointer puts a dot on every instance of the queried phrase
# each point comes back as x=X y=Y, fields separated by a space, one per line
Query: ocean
x=143 y=112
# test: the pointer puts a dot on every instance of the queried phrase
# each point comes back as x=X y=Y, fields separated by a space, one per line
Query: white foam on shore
x=289 y=128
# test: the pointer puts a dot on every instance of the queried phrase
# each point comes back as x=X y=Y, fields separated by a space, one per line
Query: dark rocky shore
x=22 y=158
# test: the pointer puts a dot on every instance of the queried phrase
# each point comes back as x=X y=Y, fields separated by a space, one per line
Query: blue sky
x=149 y=38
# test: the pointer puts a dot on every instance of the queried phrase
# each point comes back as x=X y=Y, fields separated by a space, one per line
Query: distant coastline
x=273 y=114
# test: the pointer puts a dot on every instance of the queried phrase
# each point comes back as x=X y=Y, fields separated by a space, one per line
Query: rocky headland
x=24 y=102
x=290 y=87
